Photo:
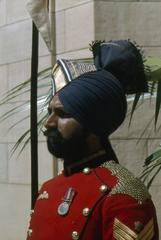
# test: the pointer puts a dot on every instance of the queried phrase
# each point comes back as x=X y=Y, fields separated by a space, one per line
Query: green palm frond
x=152 y=167
x=135 y=102
x=154 y=64
x=153 y=75
x=158 y=102
x=21 y=142
x=145 y=129
x=153 y=163
x=42 y=102
x=24 y=87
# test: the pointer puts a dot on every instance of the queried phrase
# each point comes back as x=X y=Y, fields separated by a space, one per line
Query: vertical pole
x=33 y=116
x=53 y=56
x=53 y=31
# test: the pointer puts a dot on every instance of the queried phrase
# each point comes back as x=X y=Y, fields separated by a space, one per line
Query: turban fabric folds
x=96 y=100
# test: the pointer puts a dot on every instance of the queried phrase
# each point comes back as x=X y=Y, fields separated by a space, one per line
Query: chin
x=54 y=149
x=55 y=154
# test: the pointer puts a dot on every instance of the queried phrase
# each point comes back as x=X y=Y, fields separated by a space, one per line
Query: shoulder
x=129 y=218
x=126 y=183
x=127 y=205
x=51 y=182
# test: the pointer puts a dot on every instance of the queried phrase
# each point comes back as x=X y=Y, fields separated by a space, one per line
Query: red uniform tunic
x=102 y=203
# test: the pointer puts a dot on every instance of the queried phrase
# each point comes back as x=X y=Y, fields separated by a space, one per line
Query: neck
x=93 y=160
x=91 y=147
x=95 y=154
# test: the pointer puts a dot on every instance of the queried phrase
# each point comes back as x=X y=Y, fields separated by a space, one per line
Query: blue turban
x=96 y=100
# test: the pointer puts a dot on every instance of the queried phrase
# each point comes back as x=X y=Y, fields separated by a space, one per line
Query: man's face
x=65 y=136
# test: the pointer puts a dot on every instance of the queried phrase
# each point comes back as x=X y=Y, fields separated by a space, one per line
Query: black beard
x=74 y=148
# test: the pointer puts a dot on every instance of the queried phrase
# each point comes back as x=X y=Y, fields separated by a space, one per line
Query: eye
x=63 y=114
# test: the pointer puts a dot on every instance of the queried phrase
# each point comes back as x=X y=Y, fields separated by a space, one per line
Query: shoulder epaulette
x=127 y=183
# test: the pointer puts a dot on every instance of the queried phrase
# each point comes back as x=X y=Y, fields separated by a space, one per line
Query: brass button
x=29 y=232
x=86 y=170
x=86 y=212
x=103 y=188
x=75 y=235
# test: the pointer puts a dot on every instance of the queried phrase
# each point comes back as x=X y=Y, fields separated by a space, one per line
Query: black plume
x=125 y=60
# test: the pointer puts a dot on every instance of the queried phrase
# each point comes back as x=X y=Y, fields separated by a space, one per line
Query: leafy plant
x=152 y=164
x=152 y=167
x=42 y=102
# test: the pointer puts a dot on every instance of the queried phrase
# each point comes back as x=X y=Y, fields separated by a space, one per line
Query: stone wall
x=15 y=54
x=78 y=22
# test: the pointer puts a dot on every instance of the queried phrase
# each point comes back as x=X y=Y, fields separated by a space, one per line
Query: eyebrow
x=57 y=109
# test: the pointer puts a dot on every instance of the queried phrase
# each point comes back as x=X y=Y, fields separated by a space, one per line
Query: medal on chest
x=64 y=207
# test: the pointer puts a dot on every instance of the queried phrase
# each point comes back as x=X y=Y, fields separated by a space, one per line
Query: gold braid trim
x=123 y=232
x=127 y=183
x=148 y=232
x=120 y=229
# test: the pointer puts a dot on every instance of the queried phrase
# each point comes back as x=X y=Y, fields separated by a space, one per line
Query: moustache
x=55 y=142
x=51 y=132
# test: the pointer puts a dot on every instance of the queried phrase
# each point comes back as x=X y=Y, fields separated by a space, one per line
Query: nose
x=51 y=121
